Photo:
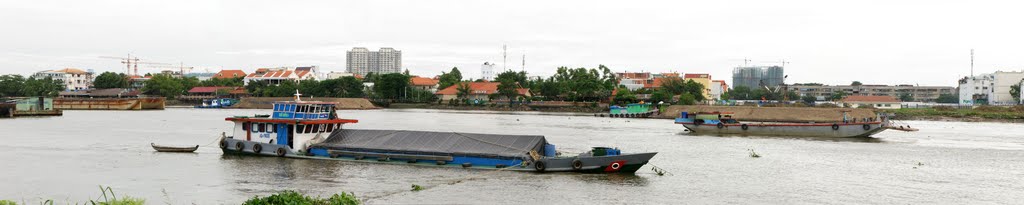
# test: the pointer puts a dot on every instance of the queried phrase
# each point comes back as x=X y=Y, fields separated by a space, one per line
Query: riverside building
x=362 y=61
x=920 y=93
x=74 y=79
x=989 y=89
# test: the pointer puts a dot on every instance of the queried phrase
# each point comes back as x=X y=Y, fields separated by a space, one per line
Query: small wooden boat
x=159 y=148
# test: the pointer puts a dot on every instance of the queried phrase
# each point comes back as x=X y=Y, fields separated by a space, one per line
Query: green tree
x=163 y=85
x=450 y=78
x=695 y=89
x=624 y=96
x=660 y=95
x=809 y=99
x=856 y=83
x=947 y=98
x=344 y=87
x=257 y=88
x=583 y=84
x=42 y=87
x=1015 y=92
x=463 y=91
x=11 y=85
x=391 y=86
x=838 y=95
x=508 y=84
x=111 y=80
x=687 y=99
x=906 y=97
x=224 y=82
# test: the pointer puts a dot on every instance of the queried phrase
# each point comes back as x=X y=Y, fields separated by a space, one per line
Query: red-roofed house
x=229 y=74
x=428 y=84
x=880 y=102
x=477 y=91
x=275 y=76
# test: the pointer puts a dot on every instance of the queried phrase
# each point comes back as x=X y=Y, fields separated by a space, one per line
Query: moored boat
x=312 y=130
x=217 y=103
x=160 y=148
x=723 y=123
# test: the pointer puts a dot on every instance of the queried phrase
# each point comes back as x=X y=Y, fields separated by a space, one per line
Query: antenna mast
x=504 y=58
x=972 y=62
x=524 y=61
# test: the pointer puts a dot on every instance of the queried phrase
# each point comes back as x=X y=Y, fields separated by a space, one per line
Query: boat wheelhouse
x=292 y=126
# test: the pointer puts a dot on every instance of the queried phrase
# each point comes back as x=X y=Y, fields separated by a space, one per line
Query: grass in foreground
x=292 y=197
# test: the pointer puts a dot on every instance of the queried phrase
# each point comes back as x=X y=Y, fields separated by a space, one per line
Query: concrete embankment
x=267 y=102
x=773 y=114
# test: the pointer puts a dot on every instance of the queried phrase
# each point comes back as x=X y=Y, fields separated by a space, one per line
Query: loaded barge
x=723 y=123
x=312 y=130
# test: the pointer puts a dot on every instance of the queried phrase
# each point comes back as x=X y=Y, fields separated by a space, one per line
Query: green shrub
x=292 y=197
x=7 y=202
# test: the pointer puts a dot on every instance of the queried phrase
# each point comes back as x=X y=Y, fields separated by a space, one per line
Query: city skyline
x=824 y=43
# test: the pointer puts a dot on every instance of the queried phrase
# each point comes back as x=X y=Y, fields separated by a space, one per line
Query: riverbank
x=980 y=114
x=574 y=109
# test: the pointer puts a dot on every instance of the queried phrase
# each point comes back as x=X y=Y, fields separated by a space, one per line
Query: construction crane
x=132 y=63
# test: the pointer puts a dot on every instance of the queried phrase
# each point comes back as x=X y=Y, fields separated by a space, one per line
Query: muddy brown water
x=66 y=158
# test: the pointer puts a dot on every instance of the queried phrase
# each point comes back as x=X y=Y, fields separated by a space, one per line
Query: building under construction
x=758 y=76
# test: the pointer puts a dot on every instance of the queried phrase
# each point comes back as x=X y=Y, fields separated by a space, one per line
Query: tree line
x=17 y=85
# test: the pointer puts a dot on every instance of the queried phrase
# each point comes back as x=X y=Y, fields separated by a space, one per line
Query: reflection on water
x=111 y=148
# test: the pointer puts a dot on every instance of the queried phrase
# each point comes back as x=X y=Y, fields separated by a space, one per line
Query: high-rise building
x=758 y=76
x=487 y=71
x=362 y=61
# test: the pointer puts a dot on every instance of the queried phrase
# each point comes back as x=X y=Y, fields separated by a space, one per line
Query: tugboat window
x=260 y=127
x=330 y=127
x=245 y=126
x=271 y=128
x=300 y=129
x=322 y=127
x=309 y=128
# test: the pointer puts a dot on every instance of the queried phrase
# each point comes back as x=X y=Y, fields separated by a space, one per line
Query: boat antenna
x=298 y=96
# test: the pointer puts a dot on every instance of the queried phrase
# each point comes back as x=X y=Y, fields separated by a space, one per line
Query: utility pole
x=524 y=61
x=972 y=62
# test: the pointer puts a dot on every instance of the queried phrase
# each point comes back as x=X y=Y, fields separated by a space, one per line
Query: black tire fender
x=223 y=144
x=720 y=125
x=867 y=127
x=835 y=126
x=239 y=146
x=539 y=166
x=257 y=148
x=577 y=164
x=744 y=126
x=281 y=152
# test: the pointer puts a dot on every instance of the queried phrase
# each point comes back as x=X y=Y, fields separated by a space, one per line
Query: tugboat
x=723 y=123
x=312 y=130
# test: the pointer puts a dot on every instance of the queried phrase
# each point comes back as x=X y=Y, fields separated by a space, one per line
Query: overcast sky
x=876 y=42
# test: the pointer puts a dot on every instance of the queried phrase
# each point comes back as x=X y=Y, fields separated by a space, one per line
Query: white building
x=74 y=79
x=336 y=75
x=1021 y=88
x=717 y=88
x=487 y=71
x=275 y=76
x=362 y=61
x=991 y=89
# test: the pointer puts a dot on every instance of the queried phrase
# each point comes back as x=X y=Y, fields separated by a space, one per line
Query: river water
x=66 y=159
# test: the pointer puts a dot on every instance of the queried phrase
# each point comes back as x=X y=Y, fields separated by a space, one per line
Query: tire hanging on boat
x=720 y=125
x=577 y=164
x=281 y=152
x=239 y=146
x=867 y=127
x=835 y=126
x=539 y=166
x=223 y=144
x=257 y=148
x=744 y=126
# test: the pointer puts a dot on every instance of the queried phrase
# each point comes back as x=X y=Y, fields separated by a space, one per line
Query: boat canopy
x=434 y=143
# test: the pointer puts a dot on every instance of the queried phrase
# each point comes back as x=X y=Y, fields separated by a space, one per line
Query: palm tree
x=463 y=90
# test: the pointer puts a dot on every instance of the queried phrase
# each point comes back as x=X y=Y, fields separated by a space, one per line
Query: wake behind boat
x=299 y=129
x=723 y=123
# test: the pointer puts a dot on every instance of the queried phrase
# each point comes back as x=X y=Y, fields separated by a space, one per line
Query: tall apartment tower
x=362 y=61
x=487 y=71
x=755 y=77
